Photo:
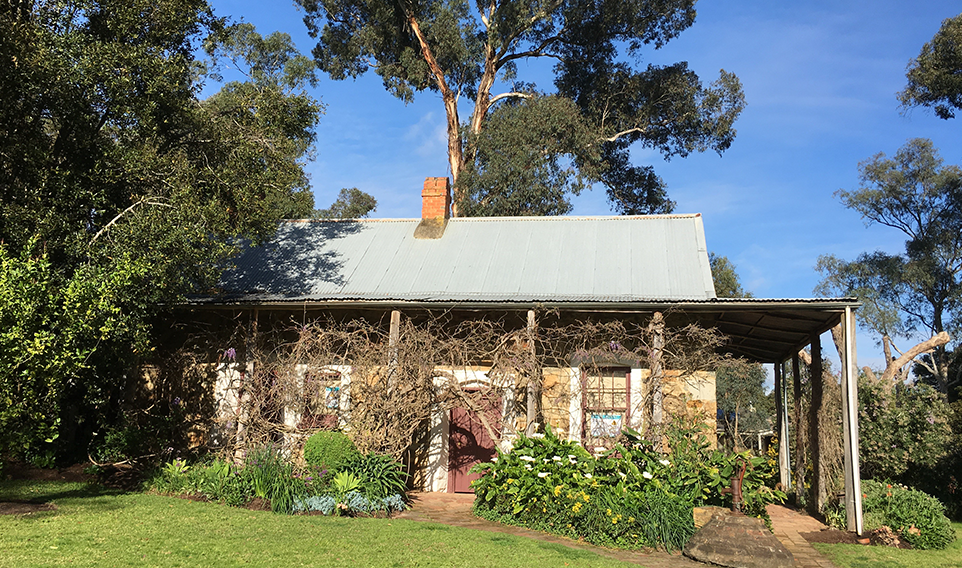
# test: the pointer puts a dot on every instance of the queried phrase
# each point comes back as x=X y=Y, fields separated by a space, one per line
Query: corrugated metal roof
x=505 y=259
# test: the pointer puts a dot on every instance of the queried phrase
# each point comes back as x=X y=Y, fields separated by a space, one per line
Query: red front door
x=469 y=443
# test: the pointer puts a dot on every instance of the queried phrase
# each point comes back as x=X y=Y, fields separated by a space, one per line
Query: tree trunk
x=450 y=98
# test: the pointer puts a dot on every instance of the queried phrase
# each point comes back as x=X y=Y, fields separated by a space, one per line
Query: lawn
x=857 y=556
x=95 y=527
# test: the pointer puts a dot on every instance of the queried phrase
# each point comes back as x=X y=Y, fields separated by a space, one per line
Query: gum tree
x=935 y=76
x=604 y=101
x=920 y=289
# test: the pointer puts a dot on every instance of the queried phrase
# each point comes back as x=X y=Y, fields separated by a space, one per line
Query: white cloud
x=430 y=134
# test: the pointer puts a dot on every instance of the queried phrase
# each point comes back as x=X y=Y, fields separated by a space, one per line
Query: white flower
x=494 y=459
x=572 y=457
x=527 y=458
x=543 y=474
x=647 y=475
x=587 y=476
x=664 y=462
x=622 y=475
x=556 y=458
x=527 y=466
x=536 y=435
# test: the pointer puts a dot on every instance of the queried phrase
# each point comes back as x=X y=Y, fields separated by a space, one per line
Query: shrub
x=354 y=502
x=632 y=496
x=379 y=476
x=556 y=486
x=917 y=517
x=693 y=470
x=902 y=432
x=272 y=478
x=329 y=450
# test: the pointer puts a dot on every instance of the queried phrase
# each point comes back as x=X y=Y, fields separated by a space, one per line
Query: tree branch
x=893 y=365
x=512 y=94
x=536 y=52
x=124 y=212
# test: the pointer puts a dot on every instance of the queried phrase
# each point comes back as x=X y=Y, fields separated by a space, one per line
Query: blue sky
x=820 y=78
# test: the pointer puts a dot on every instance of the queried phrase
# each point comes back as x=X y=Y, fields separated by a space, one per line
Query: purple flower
x=177 y=401
x=230 y=354
x=930 y=420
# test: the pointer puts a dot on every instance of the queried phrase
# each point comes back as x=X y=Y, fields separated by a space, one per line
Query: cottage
x=643 y=269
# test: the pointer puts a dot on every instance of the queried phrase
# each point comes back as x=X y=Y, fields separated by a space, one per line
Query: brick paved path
x=787 y=525
x=455 y=509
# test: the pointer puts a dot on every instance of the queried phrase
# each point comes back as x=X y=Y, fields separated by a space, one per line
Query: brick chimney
x=435 y=208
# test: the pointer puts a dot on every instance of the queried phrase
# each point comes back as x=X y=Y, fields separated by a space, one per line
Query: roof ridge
x=530 y=218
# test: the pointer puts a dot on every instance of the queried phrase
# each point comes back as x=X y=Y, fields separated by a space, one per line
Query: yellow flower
x=557 y=491
x=609 y=512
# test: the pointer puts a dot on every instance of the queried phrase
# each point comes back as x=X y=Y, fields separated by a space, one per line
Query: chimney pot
x=436 y=198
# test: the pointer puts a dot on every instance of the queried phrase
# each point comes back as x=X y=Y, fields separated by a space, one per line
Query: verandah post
x=814 y=435
x=853 y=485
x=799 y=431
x=533 y=391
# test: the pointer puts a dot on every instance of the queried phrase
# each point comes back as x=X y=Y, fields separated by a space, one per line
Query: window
x=322 y=393
x=606 y=403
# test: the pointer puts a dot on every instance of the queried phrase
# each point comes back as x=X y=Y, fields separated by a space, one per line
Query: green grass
x=857 y=556
x=94 y=527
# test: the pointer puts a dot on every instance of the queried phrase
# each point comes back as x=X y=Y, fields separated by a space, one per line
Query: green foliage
x=904 y=433
x=602 y=106
x=917 y=517
x=138 y=190
x=379 y=476
x=329 y=450
x=350 y=204
x=272 y=478
x=369 y=484
x=697 y=472
x=631 y=497
x=530 y=157
x=920 y=289
x=935 y=76
x=33 y=358
x=344 y=483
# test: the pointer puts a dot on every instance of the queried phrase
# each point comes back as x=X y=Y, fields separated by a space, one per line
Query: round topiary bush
x=329 y=450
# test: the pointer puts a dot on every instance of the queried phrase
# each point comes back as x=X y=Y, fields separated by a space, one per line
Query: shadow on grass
x=39 y=492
